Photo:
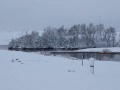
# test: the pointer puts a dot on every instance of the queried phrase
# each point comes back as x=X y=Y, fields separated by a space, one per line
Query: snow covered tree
x=74 y=35
x=77 y=36
x=110 y=36
x=61 y=37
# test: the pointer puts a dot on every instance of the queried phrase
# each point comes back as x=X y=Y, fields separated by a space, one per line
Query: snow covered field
x=109 y=49
x=39 y=72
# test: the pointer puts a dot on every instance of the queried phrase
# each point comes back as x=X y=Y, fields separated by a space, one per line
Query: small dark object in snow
x=69 y=70
x=92 y=66
x=12 y=61
x=73 y=71
x=21 y=63
x=17 y=59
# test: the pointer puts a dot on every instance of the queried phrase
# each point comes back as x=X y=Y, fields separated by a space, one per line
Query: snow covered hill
x=29 y=71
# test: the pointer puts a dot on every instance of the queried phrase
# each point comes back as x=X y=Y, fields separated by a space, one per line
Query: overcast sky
x=38 y=14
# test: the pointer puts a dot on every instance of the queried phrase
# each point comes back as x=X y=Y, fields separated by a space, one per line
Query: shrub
x=106 y=51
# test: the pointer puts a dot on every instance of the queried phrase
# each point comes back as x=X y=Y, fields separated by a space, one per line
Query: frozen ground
x=38 y=72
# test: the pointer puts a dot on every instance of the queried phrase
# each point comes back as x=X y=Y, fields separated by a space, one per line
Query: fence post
x=92 y=65
x=82 y=60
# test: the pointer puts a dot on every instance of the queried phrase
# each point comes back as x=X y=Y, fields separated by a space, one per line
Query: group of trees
x=77 y=36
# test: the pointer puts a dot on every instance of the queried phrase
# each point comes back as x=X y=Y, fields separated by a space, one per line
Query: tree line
x=77 y=36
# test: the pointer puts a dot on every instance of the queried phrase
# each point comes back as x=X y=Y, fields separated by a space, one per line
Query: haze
x=38 y=14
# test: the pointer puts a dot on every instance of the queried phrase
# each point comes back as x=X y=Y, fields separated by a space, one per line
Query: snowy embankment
x=38 y=72
x=109 y=49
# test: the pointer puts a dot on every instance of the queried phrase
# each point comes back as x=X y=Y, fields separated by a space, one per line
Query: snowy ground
x=38 y=72
x=110 y=49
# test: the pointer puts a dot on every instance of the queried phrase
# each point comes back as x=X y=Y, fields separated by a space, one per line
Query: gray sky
x=38 y=14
